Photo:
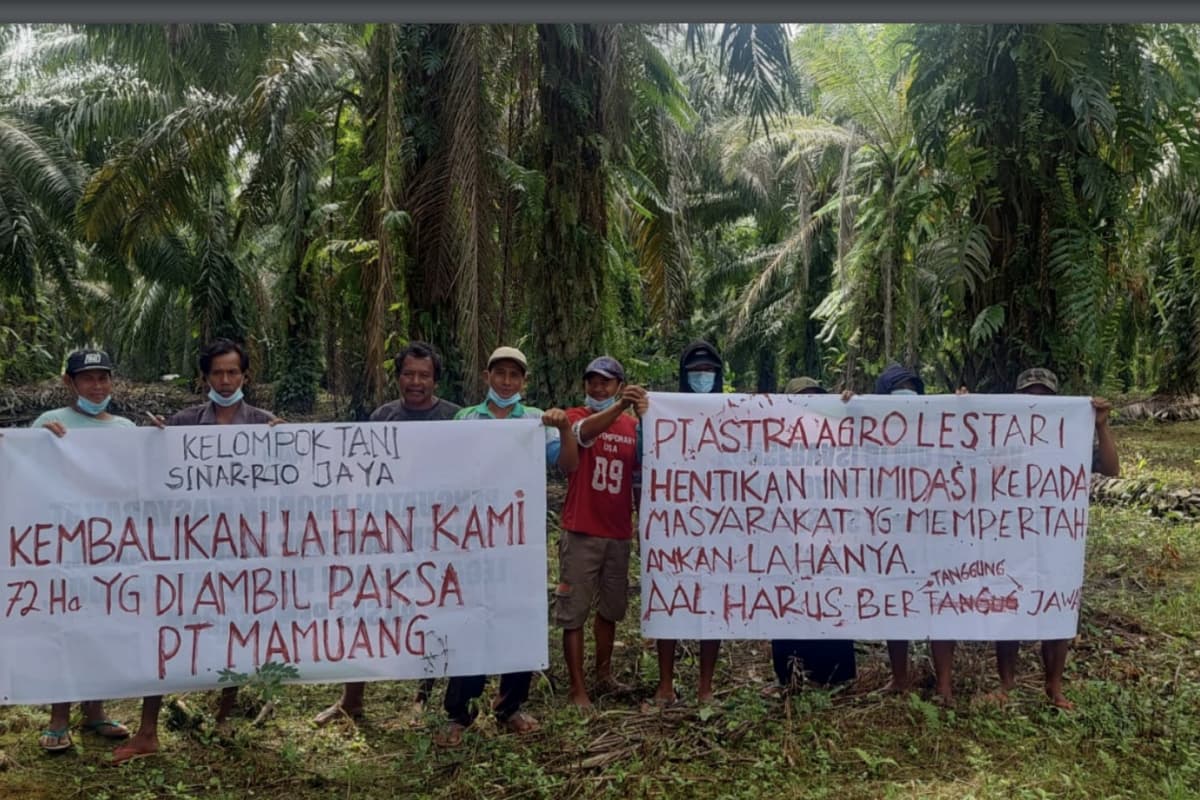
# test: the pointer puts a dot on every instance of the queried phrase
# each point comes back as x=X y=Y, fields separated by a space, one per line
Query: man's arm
x=596 y=424
x=1107 y=461
x=568 y=452
x=55 y=427
x=46 y=420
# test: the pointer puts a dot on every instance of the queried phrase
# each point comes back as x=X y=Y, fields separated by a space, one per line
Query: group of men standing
x=598 y=446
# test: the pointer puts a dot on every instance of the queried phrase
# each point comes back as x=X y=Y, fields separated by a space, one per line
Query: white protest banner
x=800 y=516
x=145 y=561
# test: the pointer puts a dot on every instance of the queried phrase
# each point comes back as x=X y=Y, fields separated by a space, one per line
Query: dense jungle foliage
x=971 y=199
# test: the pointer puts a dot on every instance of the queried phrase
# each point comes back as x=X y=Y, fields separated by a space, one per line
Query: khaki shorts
x=591 y=568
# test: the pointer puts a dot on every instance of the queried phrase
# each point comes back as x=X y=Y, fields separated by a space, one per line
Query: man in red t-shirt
x=597 y=520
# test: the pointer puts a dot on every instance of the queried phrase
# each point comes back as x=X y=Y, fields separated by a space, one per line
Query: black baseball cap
x=84 y=360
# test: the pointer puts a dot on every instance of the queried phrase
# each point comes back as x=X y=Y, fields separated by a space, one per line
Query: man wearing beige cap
x=1039 y=381
x=505 y=378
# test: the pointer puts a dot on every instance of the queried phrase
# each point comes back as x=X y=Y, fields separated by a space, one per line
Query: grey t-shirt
x=206 y=414
x=70 y=418
x=396 y=412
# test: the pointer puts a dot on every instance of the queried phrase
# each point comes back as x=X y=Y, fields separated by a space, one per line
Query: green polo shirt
x=481 y=411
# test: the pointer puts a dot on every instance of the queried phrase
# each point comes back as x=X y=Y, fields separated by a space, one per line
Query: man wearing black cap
x=88 y=376
x=701 y=371
x=597 y=521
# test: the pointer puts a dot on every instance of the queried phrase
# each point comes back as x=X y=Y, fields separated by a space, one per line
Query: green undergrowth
x=1166 y=453
x=1134 y=676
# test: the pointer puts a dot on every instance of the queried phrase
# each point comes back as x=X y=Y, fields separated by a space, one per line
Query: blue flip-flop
x=62 y=739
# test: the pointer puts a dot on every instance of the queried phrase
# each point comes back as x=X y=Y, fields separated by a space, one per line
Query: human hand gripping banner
x=803 y=516
x=146 y=561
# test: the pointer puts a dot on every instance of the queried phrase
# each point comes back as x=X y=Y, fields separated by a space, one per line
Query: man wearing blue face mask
x=224 y=365
x=701 y=371
x=505 y=378
x=597 y=521
x=88 y=376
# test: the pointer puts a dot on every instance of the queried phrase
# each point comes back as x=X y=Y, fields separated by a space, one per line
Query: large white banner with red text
x=803 y=516
x=144 y=561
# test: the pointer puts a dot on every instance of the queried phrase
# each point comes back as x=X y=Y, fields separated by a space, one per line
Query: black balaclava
x=893 y=376
x=700 y=352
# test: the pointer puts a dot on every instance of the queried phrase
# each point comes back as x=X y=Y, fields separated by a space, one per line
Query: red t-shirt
x=600 y=491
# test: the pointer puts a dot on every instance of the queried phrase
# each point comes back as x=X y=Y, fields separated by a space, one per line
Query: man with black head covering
x=826 y=661
x=897 y=379
x=701 y=371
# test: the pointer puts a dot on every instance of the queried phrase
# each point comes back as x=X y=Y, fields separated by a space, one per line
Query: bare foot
x=137 y=747
x=580 y=700
x=659 y=702
x=336 y=712
x=996 y=698
x=451 y=735
x=896 y=686
x=1059 y=699
x=610 y=685
x=226 y=703
x=772 y=691
x=521 y=723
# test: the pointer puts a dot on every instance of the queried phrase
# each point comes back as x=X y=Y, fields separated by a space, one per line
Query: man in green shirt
x=505 y=377
x=88 y=376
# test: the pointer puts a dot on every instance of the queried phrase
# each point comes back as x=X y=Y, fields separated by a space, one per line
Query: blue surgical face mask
x=90 y=408
x=599 y=405
x=904 y=391
x=503 y=402
x=701 y=382
x=225 y=402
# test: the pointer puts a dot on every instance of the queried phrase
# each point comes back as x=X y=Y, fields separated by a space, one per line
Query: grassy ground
x=1134 y=675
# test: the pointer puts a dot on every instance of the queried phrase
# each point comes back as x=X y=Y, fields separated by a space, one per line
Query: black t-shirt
x=396 y=412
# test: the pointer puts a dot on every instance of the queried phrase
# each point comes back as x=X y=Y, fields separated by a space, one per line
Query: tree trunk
x=569 y=275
